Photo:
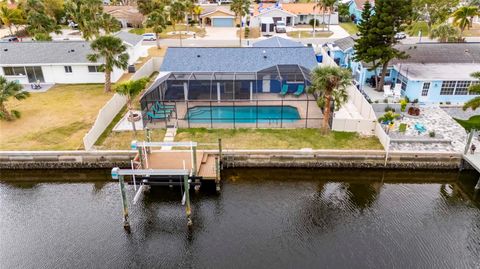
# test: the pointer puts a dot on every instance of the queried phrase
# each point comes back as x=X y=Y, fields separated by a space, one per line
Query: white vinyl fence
x=105 y=116
x=108 y=112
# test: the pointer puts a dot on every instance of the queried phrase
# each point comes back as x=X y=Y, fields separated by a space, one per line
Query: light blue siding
x=222 y=22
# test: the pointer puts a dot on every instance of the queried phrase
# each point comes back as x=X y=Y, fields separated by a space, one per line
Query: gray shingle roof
x=440 y=53
x=277 y=42
x=131 y=39
x=53 y=52
x=346 y=42
x=250 y=59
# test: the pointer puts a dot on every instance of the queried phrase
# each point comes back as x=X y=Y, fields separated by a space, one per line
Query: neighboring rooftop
x=131 y=39
x=47 y=52
x=360 y=3
x=346 y=42
x=427 y=53
x=209 y=9
x=277 y=42
x=432 y=72
x=250 y=59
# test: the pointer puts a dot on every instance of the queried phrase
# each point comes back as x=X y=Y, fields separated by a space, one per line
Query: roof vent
x=467 y=51
x=198 y=55
x=5 y=49
x=264 y=54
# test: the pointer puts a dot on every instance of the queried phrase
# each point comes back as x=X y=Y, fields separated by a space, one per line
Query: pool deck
x=310 y=114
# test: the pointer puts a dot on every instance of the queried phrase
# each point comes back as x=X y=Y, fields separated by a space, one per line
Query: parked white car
x=149 y=37
x=281 y=27
x=400 y=35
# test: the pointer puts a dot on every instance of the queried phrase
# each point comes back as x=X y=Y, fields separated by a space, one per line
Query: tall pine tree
x=365 y=45
x=388 y=20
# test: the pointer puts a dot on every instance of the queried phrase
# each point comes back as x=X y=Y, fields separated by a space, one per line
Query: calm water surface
x=261 y=219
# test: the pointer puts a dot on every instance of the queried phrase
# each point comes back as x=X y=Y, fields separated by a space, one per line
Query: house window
x=448 y=87
x=68 y=69
x=93 y=68
x=403 y=81
x=462 y=88
x=426 y=87
x=14 y=71
x=388 y=73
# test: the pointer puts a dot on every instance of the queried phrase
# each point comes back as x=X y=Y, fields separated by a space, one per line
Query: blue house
x=433 y=72
x=341 y=50
x=356 y=8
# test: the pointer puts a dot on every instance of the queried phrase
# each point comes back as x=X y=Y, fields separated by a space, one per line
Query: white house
x=53 y=62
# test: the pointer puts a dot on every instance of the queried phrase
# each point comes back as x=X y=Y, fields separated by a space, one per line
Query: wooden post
x=115 y=175
x=469 y=141
x=194 y=160
x=134 y=146
x=217 y=170
x=148 y=136
x=188 y=210
x=220 y=149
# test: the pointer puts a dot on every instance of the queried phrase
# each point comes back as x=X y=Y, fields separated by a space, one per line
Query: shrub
x=403 y=105
x=415 y=101
x=247 y=32
x=389 y=108
x=432 y=134
x=385 y=100
x=376 y=102
x=388 y=117
x=402 y=128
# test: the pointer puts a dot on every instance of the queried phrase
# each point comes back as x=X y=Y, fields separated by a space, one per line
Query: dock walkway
x=176 y=159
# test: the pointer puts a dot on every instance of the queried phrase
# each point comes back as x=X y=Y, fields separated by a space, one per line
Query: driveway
x=220 y=33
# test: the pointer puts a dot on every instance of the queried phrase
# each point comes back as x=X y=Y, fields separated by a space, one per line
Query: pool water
x=243 y=114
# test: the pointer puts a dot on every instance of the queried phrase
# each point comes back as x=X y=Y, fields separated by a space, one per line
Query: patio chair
x=284 y=90
x=161 y=116
x=300 y=90
x=162 y=110
x=158 y=105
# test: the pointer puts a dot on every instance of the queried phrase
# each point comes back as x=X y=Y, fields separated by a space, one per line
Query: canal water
x=261 y=219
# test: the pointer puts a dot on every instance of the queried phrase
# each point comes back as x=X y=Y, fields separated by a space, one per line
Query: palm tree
x=157 y=20
x=240 y=8
x=323 y=5
x=330 y=5
x=330 y=84
x=177 y=14
x=462 y=17
x=10 y=16
x=475 y=88
x=130 y=89
x=7 y=91
x=444 y=32
x=111 y=51
x=108 y=23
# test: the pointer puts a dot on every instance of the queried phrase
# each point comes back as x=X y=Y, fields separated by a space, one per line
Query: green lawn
x=309 y=34
x=53 y=120
x=278 y=139
x=350 y=27
x=199 y=31
x=472 y=123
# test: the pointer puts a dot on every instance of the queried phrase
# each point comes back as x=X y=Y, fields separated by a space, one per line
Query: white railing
x=105 y=116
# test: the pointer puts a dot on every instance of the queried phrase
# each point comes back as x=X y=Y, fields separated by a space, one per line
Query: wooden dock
x=176 y=159
x=473 y=160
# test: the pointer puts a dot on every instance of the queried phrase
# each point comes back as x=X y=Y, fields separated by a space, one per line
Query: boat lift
x=177 y=174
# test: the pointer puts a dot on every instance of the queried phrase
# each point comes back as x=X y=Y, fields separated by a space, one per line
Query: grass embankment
x=200 y=32
x=54 y=120
x=278 y=139
x=122 y=140
x=350 y=27
x=472 y=123
x=309 y=34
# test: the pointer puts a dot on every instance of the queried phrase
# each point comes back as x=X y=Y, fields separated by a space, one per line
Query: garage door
x=222 y=22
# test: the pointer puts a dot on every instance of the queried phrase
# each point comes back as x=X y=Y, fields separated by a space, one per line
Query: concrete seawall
x=240 y=158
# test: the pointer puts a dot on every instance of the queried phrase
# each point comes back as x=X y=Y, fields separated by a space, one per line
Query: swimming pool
x=242 y=114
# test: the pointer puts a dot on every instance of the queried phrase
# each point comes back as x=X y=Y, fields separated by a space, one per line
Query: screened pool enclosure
x=272 y=97
x=226 y=85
